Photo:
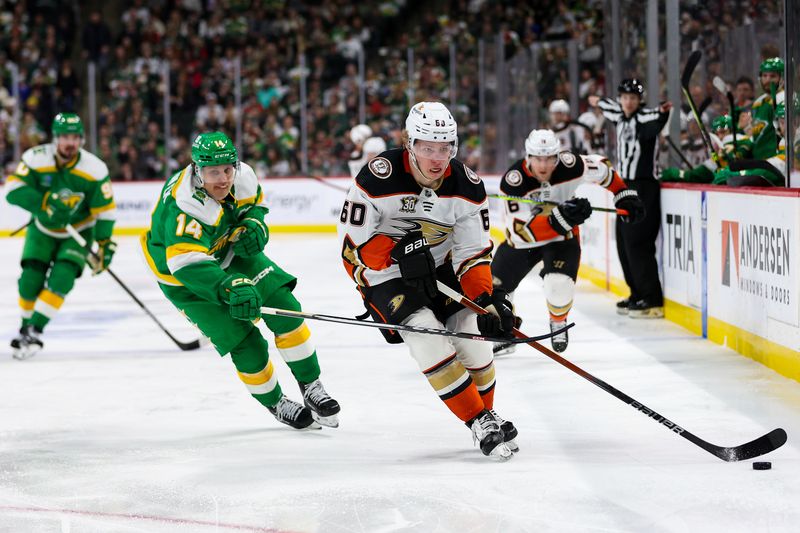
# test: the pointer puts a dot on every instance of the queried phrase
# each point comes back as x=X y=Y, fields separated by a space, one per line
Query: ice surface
x=112 y=428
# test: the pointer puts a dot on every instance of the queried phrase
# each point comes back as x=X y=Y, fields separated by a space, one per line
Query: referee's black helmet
x=632 y=86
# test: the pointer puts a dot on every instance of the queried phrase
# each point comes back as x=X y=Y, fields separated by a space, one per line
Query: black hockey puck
x=762 y=465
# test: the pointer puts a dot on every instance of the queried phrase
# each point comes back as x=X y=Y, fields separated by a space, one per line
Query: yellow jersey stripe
x=178 y=183
x=184 y=248
x=166 y=278
x=95 y=210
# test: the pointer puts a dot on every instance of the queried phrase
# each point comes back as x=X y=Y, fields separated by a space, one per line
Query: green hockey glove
x=672 y=174
x=241 y=295
x=251 y=237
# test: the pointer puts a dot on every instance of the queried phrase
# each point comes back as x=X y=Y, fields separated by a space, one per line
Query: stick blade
x=188 y=346
x=720 y=85
x=762 y=445
x=688 y=69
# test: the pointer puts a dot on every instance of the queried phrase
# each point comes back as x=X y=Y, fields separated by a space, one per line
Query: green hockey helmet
x=722 y=122
x=65 y=124
x=773 y=64
x=214 y=148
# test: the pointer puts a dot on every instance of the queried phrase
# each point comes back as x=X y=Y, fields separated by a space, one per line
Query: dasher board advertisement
x=752 y=260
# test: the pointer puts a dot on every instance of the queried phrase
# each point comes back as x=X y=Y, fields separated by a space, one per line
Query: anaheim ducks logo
x=434 y=232
x=567 y=159
x=514 y=178
x=396 y=302
x=380 y=167
x=471 y=176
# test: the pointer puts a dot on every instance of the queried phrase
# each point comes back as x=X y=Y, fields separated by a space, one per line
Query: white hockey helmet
x=432 y=121
x=558 y=106
x=542 y=143
x=360 y=133
x=374 y=145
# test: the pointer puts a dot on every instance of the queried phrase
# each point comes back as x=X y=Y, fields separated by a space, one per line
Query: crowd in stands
x=202 y=44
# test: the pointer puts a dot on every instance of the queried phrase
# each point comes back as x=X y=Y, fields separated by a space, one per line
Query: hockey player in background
x=59 y=183
x=205 y=247
x=415 y=215
x=372 y=147
x=574 y=136
x=548 y=232
x=762 y=128
x=358 y=136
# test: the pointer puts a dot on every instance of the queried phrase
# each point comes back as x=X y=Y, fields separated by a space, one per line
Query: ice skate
x=500 y=349
x=487 y=433
x=643 y=309
x=509 y=431
x=27 y=344
x=293 y=414
x=323 y=408
x=561 y=340
x=622 y=306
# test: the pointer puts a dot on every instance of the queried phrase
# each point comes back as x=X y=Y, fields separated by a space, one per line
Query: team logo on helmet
x=471 y=176
x=514 y=178
x=396 y=302
x=380 y=167
x=567 y=159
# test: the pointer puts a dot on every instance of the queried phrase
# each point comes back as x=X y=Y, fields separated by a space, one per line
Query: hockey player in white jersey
x=573 y=136
x=372 y=147
x=548 y=232
x=415 y=215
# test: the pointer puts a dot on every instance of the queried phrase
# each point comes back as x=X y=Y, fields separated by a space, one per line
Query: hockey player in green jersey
x=205 y=246
x=768 y=172
x=59 y=183
x=765 y=141
x=723 y=140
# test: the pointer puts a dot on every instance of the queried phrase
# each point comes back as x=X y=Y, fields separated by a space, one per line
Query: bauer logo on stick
x=380 y=167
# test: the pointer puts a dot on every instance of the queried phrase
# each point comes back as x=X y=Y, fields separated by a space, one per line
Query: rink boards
x=728 y=257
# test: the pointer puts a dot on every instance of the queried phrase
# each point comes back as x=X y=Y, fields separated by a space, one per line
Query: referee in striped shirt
x=637 y=152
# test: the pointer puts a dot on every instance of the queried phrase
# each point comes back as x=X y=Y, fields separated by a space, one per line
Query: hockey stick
x=677 y=150
x=403 y=327
x=524 y=200
x=19 y=229
x=686 y=77
x=185 y=346
x=722 y=87
x=760 y=446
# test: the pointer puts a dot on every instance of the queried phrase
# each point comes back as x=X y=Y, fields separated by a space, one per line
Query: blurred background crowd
x=205 y=56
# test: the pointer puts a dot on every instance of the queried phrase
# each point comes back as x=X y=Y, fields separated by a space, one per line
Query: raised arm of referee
x=637 y=129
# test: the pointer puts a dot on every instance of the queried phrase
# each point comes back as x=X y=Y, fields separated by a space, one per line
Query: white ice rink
x=112 y=429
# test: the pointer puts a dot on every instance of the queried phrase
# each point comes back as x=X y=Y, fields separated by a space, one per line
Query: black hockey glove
x=417 y=266
x=500 y=319
x=569 y=214
x=629 y=200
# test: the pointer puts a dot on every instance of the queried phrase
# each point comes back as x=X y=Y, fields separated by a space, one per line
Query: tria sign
x=680 y=253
